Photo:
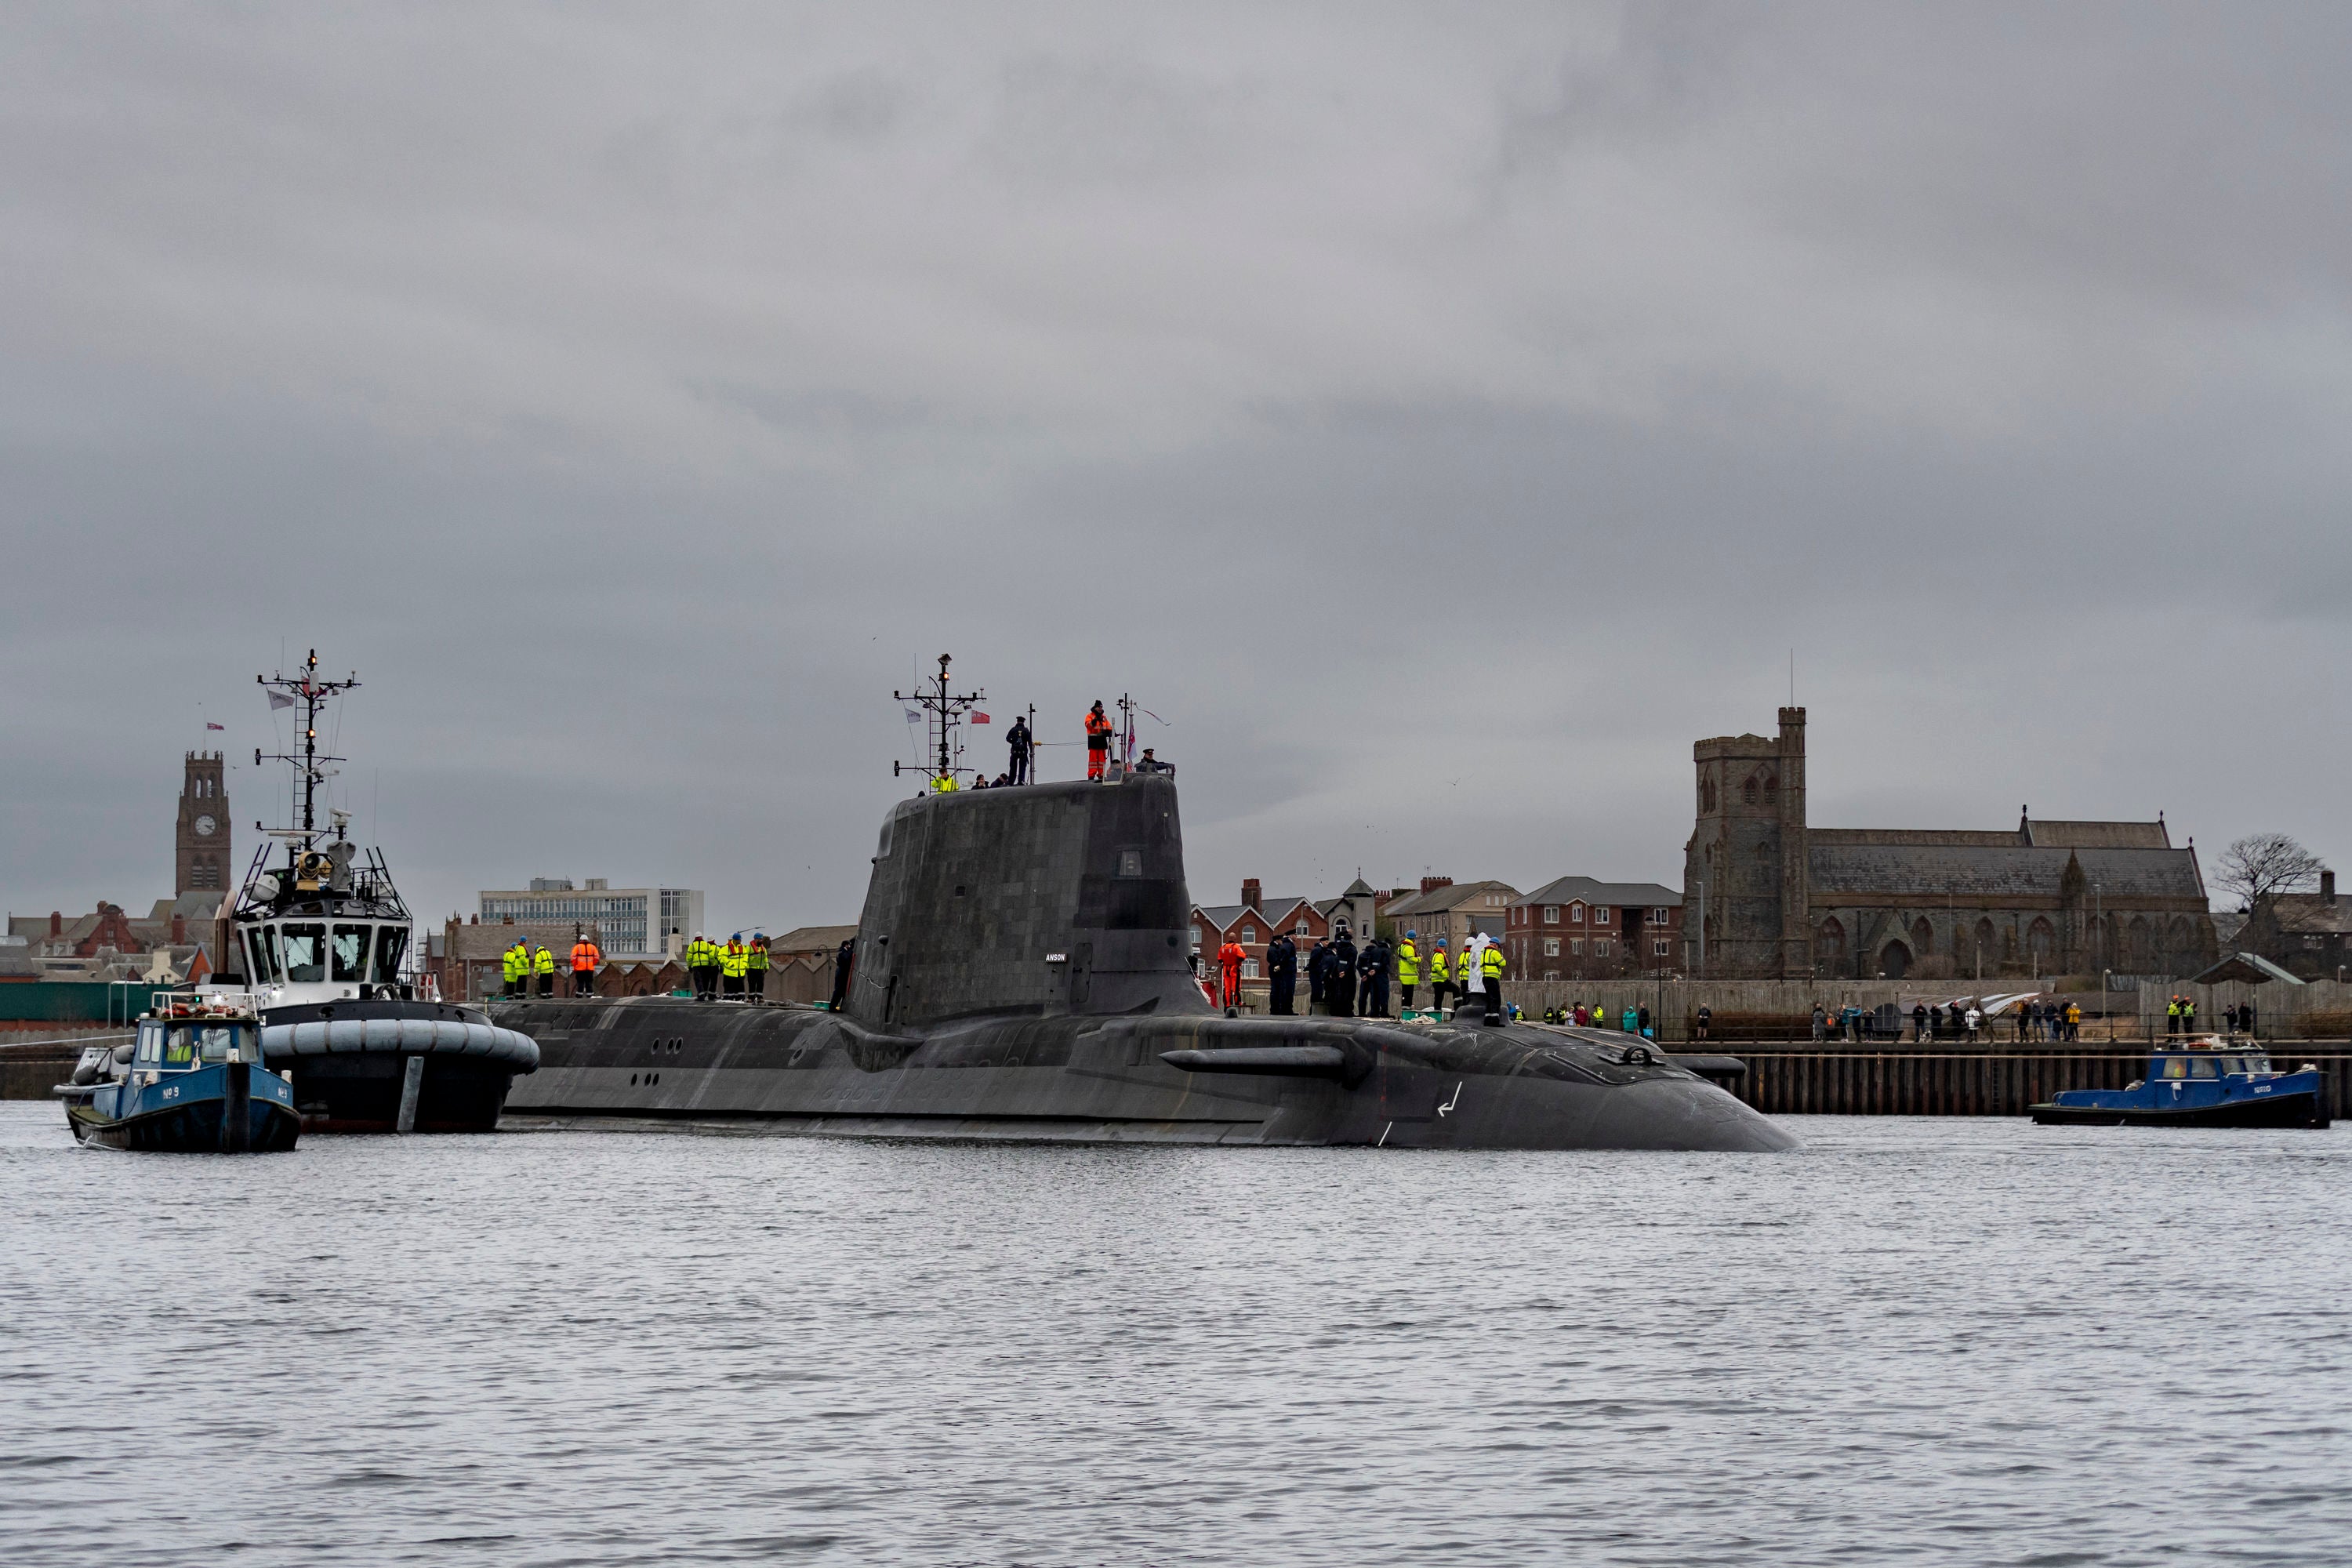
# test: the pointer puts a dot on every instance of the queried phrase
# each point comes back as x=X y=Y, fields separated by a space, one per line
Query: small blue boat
x=2202 y=1083
x=191 y=1081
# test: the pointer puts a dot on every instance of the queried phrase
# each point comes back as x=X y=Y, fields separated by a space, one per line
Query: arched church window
x=1747 y=792
x=1771 y=790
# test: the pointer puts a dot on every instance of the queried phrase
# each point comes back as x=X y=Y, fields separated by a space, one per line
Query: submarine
x=1021 y=972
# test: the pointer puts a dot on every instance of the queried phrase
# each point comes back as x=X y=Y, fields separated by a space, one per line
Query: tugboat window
x=179 y=1050
x=265 y=955
x=213 y=1040
x=305 y=949
x=351 y=953
x=391 y=947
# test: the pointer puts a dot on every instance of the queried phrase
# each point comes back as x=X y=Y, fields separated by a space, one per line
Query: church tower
x=201 y=851
x=1749 y=852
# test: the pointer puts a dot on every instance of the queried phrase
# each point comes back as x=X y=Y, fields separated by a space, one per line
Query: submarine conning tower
x=1031 y=901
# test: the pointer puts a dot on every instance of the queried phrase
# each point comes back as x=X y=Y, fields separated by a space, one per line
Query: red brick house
x=1580 y=928
x=1253 y=923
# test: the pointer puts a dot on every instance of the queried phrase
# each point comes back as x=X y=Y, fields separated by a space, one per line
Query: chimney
x=57 y=923
x=1431 y=884
x=2328 y=886
x=1253 y=894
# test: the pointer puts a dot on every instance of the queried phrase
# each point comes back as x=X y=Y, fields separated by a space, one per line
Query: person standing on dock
x=1706 y=1020
x=1408 y=967
x=1918 y=1022
x=584 y=960
x=1017 y=738
x=1098 y=728
x=1281 y=973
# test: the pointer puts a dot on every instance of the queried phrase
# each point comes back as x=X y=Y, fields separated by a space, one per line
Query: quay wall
x=1860 y=1082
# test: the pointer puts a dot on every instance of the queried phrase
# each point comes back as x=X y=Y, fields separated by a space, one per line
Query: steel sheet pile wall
x=1977 y=1083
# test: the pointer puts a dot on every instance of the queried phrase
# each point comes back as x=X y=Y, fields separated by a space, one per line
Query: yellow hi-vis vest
x=1408 y=964
x=756 y=957
x=542 y=962
x=507 y=964
x=732 y=965
x=1441 y=967
x=1490 y=963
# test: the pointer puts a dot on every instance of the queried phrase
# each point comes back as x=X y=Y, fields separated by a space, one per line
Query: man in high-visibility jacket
x=1098 y=729
x=584 y=960
x=510 y=971
x=732 y=966
x=1441 y=978
x=944 y=784
x=755 y=967
x=1490 y=971
x=542 y=964
x=702 y=964
x=1229 y=972
x=1408 y=965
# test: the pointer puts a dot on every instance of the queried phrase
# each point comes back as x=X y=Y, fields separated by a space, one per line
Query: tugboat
x=2204 y=1083
x=325 y=943
x=191 y=1081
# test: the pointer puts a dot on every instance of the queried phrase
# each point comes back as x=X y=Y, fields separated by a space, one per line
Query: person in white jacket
x=1474 y=977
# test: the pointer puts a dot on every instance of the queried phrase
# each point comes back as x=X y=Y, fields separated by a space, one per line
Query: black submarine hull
x=661 y=1059
x=1021 y=972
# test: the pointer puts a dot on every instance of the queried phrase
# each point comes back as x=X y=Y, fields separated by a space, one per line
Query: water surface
x=1916 y=1340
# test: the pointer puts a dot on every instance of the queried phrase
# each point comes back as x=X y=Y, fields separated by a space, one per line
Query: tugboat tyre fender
x=423 y=1037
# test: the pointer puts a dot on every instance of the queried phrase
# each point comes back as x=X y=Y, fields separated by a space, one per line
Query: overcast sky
x=1440 y=417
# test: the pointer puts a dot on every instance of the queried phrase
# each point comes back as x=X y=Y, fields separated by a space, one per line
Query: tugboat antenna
x=946 y=711
x=308 y=691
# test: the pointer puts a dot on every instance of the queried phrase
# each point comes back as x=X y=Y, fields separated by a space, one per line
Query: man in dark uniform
x=842 y=956
x=1340 y=985
x=1018 y=739
x=1282 y=973
x=1372 y=972
x=1319 y=969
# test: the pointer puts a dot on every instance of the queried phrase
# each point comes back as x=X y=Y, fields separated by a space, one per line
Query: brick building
x=1580 y=929
x=1253 y=924
x=1445 y=910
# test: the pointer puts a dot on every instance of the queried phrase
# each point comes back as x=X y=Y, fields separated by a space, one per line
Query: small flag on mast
x=980 y=718
x=280 y=699
x=210 y=725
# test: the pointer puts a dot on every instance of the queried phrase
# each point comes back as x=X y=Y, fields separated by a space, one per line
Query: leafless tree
x=2264 y=865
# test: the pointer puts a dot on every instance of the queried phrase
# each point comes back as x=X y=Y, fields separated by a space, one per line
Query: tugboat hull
x=389 y=1065
x=2301 y=1109
x=226 y=1110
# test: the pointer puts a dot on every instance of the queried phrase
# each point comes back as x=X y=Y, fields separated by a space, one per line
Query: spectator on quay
x=1918 y=1022
x=1820 y=1023
x=1706 y=1018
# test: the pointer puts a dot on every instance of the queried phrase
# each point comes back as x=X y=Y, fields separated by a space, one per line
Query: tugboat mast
x=946 y=710
x=308 y=691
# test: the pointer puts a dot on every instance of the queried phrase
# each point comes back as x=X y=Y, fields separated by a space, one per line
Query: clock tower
x=202 y=856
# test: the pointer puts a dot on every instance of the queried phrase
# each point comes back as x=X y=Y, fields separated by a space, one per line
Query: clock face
x=204 y=825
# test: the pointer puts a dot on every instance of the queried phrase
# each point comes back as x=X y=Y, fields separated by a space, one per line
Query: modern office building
x=636 y=922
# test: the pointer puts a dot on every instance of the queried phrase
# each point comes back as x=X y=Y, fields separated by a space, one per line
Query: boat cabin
x=180 y=1045
x=326 y=951
x=2190 y=1065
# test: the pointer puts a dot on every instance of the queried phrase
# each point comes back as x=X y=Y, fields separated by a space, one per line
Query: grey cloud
x=1442 y=419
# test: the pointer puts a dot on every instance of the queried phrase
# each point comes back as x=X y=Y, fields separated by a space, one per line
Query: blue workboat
x=191 y=1080
x=2201 y=1083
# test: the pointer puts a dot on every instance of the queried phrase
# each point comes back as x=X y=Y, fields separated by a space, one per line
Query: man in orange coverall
x=1229 y=970
x=1098 y=741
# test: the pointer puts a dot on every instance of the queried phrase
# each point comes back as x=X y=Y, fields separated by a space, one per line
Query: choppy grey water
x=1949 y=1340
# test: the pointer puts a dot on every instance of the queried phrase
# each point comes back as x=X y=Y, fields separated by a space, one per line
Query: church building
x=1767 y=895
